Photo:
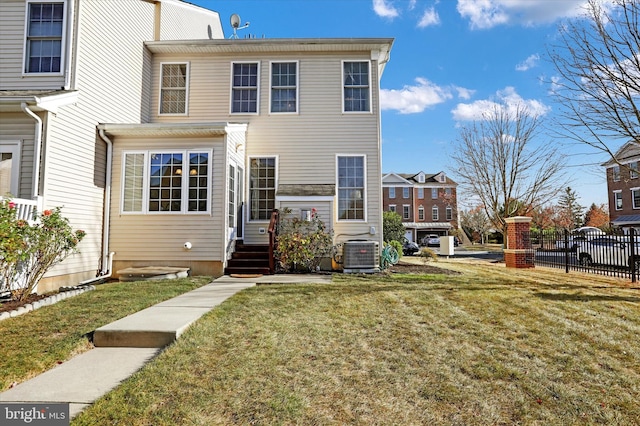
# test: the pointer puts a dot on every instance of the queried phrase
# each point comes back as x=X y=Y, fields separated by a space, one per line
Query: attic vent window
x=421 y=178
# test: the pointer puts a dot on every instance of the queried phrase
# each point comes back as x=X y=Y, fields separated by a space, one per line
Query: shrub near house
x=29 y=250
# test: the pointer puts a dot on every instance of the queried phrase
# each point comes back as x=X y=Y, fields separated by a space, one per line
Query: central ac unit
x=361 y=256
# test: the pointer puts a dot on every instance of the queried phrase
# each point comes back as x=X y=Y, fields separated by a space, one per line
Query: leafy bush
x=392 y=228
x=302 y=244
x=29 y=250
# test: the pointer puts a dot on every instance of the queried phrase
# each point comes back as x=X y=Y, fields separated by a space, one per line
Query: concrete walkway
x=126 y=345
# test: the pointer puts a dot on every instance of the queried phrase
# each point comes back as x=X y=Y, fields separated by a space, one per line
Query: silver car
x=609 y=250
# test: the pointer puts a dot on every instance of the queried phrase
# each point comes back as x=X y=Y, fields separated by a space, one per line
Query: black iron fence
x=588 y=250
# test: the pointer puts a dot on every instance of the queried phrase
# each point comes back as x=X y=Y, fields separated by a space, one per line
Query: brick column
x=518 y=252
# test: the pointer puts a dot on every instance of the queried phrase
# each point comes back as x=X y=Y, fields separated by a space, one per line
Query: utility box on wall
x=446 y=246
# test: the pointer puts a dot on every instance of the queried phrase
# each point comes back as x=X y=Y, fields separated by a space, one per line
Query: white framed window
x=392 y=192
x=420 y=213
x=45 y=24
x=392 y=208
x=635 y=198
x=421 y=178
x=244 y=87
x=448 y=213
x=405 y=192
x=406 y=211
x=284 y=87
x=617 y=200
x=434 y=193
x=633 y=170
x=616 y=173
x=9 y=167
x=262 y=187
x=172 y=181
x=232 y=197
x=174 y=84
x=356 y=85
x=421 y=193
x=351 y=186
x=434 y=213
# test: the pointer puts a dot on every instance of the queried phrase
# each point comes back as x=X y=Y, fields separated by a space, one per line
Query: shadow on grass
x=587 y=297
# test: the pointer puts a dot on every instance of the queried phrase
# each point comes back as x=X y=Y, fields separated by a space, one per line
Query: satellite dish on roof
x=235 y=23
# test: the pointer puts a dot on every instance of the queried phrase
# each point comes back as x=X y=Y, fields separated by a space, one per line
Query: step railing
x=273 y=233
x=25 y=209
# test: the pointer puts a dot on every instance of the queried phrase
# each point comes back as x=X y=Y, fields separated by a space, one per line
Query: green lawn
x=489 y=346
x=37 y=341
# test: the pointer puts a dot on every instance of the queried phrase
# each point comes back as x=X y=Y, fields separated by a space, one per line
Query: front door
x=236 y=202
x=9 y=168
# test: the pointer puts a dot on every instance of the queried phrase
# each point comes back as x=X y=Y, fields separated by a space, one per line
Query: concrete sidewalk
x=126 y=345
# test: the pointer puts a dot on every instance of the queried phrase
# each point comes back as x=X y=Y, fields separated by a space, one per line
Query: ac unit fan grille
x=361 y=255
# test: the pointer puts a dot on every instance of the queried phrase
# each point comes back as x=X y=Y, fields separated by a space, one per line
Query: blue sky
x=451 y=60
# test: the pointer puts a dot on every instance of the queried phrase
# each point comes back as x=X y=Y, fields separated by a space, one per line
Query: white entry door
x=9 y=168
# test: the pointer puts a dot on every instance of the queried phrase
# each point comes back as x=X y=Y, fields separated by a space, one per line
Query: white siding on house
x=184 y=21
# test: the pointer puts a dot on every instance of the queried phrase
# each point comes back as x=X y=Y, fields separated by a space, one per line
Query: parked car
x=410 y=248
x=578 y=236
x=609 y=250
x=431 y=241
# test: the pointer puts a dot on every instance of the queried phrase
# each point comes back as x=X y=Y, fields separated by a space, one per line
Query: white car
x=577 y=236
x=609 y=250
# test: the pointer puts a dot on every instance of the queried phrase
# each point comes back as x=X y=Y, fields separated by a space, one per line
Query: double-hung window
x=392 y=192
x=405 y=192
x=420 y=213
x=633 y=170
x=284 y=87
x=166 y=181
x=392 y=208
x=45 y=23
x=617 y=200
x=356 y=86
x=616 y=173
x=635 y=197
x=244 y=87
x=351 y=187
x=406 y=211
x=449 y=213
x=262 y=187
x=173 y=88
x=434 y=193
x=421 y=193
x=434 y=213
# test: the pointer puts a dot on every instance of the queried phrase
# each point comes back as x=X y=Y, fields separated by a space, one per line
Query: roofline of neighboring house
x=172 y=130
x=620 y=152
x=380 y=47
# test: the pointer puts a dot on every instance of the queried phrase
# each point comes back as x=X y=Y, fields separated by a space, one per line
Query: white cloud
x=464 y=93
x=417 y=98
x=412 y=4
x=384 y=9
x=483 y=14
x=506 y=99
x=430 y=17
x=528 y=63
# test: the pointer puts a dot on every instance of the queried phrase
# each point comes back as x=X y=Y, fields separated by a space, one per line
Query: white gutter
x=102 y=276
x=37 y=148
x=107 y=207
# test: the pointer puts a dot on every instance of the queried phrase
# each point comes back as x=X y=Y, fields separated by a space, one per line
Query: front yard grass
x=488 y=346
x=37 y=341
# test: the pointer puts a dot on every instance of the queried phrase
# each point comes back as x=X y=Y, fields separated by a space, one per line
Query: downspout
x=37 y=149
x=107 y=258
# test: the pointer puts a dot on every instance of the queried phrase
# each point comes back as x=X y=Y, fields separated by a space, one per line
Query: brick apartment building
x=427 y=203
x=623 y=186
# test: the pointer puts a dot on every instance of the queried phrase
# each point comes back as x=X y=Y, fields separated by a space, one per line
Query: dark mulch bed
x=410 y=268
x=10 y=305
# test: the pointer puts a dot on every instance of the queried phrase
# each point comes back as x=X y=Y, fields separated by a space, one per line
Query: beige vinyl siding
x=305 y=143
x=136 y=237
x=12 y=34
x=183 y=21
x=17 y=126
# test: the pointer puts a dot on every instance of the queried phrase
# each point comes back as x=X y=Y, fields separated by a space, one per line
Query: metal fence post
x=566 y=251
x=632 y=242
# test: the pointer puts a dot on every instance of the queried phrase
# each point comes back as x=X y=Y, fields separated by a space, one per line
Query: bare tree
x=598 y=61
x=499 y=162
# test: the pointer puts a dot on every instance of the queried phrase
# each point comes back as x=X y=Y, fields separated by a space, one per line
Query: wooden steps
x=249 y=259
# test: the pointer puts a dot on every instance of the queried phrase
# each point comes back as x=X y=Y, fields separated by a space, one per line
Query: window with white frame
x=421 y=193
x=449 y=213
x=262 y=187
x=166 y=181
x=406 y=211
x=633 y=170
x=405 y=192
x=421 y=213
x=244 y=87
x=434 y=193
x=421 y=178
x=356 y=86
x=635 y=198
x=173 y=88
x=44 y=47
x=351 y=187
x=434 y=213
x=447 y=192
x=616 y=173
x=392 y=208
x=392 y=192
x=284 y=87
x=617 y=197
